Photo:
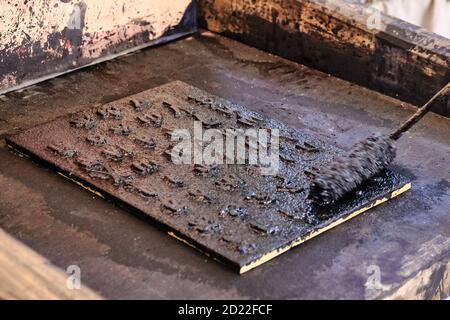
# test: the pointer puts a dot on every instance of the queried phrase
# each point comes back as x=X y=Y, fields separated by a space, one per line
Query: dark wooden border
x=397 y=58
x=32 y=62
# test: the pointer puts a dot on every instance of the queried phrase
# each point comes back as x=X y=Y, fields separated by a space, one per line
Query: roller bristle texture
x=346 y=173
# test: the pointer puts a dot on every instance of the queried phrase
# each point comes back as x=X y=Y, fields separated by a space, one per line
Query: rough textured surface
x=343 y=38
x=41 y=38
x=405 y=238
x=232 y=212
x=344 y=174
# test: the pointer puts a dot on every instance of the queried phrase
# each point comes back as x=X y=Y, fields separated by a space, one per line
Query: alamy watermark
x=374 y=19
x=374 y=286
x=259 y=147
x=373 y=14
x=73 y=281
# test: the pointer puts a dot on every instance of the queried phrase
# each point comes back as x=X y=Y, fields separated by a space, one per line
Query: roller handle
x=419 y=114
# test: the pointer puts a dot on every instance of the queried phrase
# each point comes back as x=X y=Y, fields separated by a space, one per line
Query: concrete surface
x=405 y=243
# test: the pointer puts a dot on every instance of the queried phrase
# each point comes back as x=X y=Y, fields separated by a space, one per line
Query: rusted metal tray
x=121 y=151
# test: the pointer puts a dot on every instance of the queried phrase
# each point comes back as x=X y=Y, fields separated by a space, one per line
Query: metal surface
x=123 y=257
x=232 y=212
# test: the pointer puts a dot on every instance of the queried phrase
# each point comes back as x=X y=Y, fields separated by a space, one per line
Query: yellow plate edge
x=277 y=252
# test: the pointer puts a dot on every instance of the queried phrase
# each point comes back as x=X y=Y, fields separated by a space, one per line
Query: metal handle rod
x=419 y=114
